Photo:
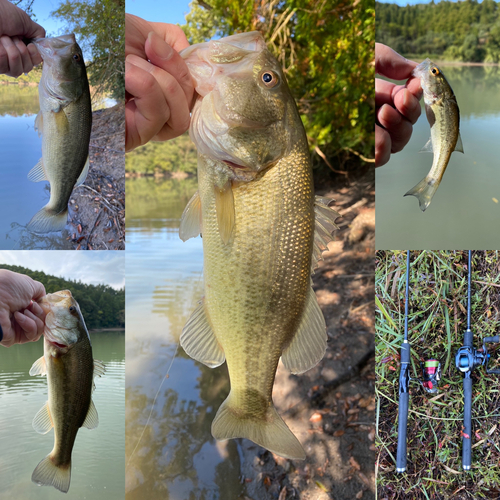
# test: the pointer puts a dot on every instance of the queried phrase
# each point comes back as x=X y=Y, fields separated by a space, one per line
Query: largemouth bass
x=65 y=122
x=256 y=209
x=444 y=118
x=70 y=370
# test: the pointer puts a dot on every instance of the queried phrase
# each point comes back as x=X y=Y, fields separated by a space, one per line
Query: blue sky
x=94 y=268
x=171 y=11
x=42 y=10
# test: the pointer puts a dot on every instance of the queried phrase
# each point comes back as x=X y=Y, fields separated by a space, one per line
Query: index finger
x=392 y=65
x=38 y=291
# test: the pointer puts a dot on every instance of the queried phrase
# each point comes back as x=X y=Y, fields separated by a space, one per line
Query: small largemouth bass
x=70 y=370
x=444 y=118
x=65 y=122
x=258 y=214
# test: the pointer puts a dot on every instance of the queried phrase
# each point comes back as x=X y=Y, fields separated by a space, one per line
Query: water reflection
x=98 y=455
x=463 y=211
x=177 y=456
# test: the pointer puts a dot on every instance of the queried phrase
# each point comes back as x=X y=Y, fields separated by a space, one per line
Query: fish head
x=64 y=75
x=243 y=114
x=432 y=80
x=63 y=321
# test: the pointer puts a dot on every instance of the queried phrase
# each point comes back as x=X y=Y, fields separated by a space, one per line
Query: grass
x=436 y=321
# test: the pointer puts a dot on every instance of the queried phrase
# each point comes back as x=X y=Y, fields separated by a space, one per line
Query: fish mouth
x=233 y=165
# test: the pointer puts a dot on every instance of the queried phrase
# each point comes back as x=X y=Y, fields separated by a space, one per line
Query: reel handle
x=467 y=430
x=490 y=340
x=402 y=424
x=404 y=399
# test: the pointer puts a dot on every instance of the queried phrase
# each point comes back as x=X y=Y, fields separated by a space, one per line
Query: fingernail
x=139 y=62
x=160 y=47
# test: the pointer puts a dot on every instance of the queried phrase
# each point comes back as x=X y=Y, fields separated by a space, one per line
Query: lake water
x=98 y=455
x=463 y=213
x=21 y=149
x=174 y=454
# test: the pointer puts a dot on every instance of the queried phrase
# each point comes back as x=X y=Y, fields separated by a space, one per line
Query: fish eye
x=434 y=71
x=72 y=309
x=269 y=79
x=77 y=57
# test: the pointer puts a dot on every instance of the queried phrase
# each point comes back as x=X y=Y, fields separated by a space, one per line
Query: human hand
x=15 y=57
x=160 y=92
x=21 y=318
x=397 y=106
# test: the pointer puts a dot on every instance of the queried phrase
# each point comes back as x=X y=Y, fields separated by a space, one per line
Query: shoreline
x=159 y=175
x=100 y=330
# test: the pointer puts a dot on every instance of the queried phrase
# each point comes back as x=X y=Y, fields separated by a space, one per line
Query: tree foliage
x=100 y=25
x=101 y=305
x=158 y=157
x=326 y=49
x=461 y=31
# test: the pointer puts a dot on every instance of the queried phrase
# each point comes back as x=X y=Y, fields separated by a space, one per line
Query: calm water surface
x=176 y=457
x=21 y=149
x=463 y=213
x=98 y=455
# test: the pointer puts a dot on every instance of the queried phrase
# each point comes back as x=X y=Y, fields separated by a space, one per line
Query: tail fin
x=269 y=432
x=44 y=221
x=424 y=191
x=48 y=474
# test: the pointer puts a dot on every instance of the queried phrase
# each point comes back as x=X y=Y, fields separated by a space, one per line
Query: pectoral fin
x=224 y=205
x=459 y=146
x=324 y=227
x=42 y=423
x=62 y=122
x=83 y=175
x=198 y=339
x=92 y=419
x=428 y=147
x=39 y=123
x=39 y=367
x=309 y=343
x=190 y=226
x=37 y=173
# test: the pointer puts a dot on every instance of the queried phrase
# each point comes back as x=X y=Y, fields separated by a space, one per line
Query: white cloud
x=105 y=267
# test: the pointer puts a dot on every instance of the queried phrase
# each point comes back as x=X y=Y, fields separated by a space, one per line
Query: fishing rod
x=431 y=374
x=466 y=360
x=404 y=383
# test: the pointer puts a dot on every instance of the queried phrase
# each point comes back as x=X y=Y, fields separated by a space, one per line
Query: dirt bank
x=97 y=208
x=331 y=408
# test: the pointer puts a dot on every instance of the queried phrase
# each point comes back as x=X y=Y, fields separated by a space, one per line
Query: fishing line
x=154 y=402
x=166 y=376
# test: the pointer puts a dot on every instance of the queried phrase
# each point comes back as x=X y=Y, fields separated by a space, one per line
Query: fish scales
x=259 y=317
x=443 y=116
x=256 y=210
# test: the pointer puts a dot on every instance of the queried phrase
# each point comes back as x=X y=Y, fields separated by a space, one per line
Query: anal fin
x=308 y=346
x=84 y=173
x=92 y=419
x=198 y=339
x=37 y=173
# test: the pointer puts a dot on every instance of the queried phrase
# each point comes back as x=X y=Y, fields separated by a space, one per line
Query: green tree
x=100 y=25
x=326 y=50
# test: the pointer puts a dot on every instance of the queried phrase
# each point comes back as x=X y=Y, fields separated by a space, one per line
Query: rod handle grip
x=402 y=424
x=467 y=430
x=491 y=340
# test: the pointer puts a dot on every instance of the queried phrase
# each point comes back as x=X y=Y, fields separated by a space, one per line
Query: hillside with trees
x=101 y=305
x=467 y=31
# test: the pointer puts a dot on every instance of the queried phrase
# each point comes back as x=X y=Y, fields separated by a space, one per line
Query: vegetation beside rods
x=101 y=305
x=437 y=320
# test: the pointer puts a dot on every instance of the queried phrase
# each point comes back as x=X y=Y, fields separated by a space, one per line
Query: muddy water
x=98 y=455
x=173 y=454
